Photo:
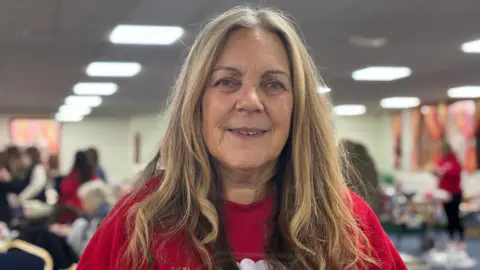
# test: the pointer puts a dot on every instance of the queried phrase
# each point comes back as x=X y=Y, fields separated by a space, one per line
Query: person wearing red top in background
x=251 y=173
x=449 y=173
x=81 y=173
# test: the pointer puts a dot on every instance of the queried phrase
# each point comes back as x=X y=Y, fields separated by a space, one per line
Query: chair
x=20 y=255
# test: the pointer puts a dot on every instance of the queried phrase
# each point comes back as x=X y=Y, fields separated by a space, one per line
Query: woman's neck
x=246 y=187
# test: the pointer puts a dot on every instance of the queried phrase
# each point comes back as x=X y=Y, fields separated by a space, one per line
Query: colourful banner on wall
x=42 y=133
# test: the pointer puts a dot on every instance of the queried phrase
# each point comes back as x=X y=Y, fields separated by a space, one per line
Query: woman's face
x=248 y=102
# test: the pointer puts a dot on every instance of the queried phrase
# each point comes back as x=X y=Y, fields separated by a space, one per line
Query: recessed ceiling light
x=381 y=73
x=66 y=117
x=468 y=91
x=146 y=34
x=399 y=102
x=471 y=46
x=368 y=42
x=323 y=89
x=113 y=69
x=94 y=89
x=75 y=109
x=91 y=101
x=349 y=110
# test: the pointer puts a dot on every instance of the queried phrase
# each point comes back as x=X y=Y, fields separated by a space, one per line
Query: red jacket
x=246 y=233
x=452 y=174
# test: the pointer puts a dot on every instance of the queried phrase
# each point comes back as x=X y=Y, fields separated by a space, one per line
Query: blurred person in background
x=94 y=159
x=7 y=185
x=97 y=201
x=35 y=180
x=15 y=162
x=81 y=173
x=252 y=175
x=362 y=168
x=54 y=174
x=449 y=174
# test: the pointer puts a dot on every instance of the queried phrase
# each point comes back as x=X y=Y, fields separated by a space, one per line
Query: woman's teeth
x=249 y=133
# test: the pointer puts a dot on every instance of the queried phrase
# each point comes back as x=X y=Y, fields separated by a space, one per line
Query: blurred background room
x=84 y=87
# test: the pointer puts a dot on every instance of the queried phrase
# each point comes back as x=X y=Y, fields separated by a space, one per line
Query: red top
x=452 y=173
x=246 y=232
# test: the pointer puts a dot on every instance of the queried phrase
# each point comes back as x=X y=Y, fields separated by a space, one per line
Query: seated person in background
x=8 y=185
x=97 y=201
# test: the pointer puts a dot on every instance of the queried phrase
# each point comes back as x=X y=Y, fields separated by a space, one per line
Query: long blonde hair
x=314 y=226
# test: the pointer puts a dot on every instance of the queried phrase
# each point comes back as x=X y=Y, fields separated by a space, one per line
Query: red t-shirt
x=246 y=232
x=452 y=174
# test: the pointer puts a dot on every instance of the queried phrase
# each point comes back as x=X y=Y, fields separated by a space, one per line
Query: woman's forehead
x=247 y=47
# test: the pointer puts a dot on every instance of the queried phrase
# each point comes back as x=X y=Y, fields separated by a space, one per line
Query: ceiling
x=46 y=45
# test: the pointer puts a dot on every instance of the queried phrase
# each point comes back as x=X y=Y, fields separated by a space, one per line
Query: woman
x=251 y=170
x=35 y=178
x=449 y=173
x=93 y=158
x=81 y=173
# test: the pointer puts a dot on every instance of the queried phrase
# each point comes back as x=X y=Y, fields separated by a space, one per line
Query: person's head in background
x=33 y=155
x=446 y=149
x=92 y=155
x=82 y=167
x=16 y=163
x=96 y=197
x=249 y=74
x=53 y=163
x=13 y=152
x=94 y=160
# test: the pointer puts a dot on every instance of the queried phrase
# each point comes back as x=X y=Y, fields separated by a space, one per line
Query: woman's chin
x=249 y=164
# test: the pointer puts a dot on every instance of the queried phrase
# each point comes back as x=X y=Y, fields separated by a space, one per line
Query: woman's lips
x=252 y=132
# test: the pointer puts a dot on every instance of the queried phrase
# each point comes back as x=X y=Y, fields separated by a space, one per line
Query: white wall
x=109 y=136
x=372 y=131
x=4 y=133
x=151 y=129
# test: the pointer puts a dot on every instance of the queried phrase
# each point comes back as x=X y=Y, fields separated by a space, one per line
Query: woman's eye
x=225 y=82
x=274 y=85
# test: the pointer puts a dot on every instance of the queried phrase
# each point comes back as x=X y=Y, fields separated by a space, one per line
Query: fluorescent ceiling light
x=381 y=73
x=323 y=89
x=468 y=91
x=66 y=117
x=471 y=46
x=75 y=109
x=90 y=101
x=113 y=69
x=349 y=110
x=399 y=102
x=95 y=89
x=145 y=34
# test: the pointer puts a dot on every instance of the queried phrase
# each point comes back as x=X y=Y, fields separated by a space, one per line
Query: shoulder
x=360 y=207
x=111 y=238
x=382 y=248
x=39 y=168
